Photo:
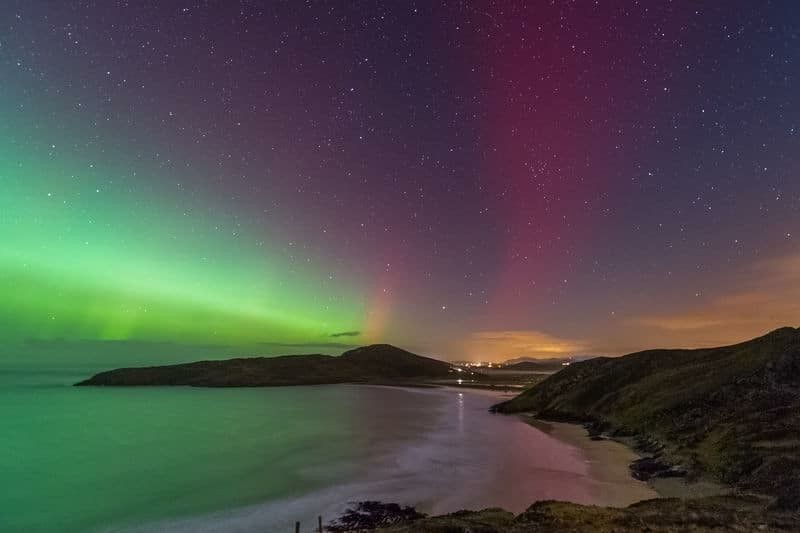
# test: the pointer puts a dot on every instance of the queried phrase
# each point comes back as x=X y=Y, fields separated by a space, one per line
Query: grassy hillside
x=376 y=363
x=732 y=413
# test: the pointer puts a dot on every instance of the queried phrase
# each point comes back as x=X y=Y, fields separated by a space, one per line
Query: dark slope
x=732 y=413
x=376 y=363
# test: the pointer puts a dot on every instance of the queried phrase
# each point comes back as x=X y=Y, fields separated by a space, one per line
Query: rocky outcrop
x=704 y=515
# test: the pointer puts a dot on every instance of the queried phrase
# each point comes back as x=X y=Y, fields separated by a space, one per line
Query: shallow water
x=183 y=459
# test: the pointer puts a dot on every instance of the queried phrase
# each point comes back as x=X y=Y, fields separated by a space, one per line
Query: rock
x=650 y=467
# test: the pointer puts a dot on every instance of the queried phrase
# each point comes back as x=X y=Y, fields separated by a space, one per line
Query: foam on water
x=466 y=458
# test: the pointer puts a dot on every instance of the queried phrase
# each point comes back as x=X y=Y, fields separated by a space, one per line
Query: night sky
x=471 y=180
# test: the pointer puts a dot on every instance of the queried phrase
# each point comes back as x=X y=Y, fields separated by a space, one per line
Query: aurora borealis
x=91 y=254
x=469 y=179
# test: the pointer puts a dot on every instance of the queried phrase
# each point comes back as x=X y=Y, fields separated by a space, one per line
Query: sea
x=181 y=459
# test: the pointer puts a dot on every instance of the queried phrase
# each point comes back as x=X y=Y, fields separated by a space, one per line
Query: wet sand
x=608 y=462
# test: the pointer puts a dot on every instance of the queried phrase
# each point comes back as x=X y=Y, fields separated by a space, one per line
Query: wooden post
x=319 y=520
x=297 y=527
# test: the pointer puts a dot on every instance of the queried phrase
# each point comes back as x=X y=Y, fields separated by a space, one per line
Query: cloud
x=346 y=334
x=502 y=345
x=679 y=322
x=766 y=297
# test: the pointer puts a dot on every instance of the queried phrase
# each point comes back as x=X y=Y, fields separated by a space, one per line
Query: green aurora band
x=89 y=253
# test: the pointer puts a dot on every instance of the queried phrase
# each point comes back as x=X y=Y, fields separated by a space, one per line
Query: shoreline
x=607 y=460
x=608 y=476
x=600 y=451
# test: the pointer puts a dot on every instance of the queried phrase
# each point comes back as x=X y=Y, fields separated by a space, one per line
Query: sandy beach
x=608 y=462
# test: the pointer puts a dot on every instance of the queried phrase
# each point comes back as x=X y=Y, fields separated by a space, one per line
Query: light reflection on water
x=463 y=457
x=461 y=412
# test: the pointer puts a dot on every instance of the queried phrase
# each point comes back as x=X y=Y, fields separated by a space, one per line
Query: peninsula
x=377 y=363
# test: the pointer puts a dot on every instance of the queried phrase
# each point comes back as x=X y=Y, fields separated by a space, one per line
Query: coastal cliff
x=731 y=414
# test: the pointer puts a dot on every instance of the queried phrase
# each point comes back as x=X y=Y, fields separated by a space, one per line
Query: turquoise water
x=182 y=459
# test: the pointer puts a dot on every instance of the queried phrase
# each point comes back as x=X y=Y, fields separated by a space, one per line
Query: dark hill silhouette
x=535 y=366
x=375 y=363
